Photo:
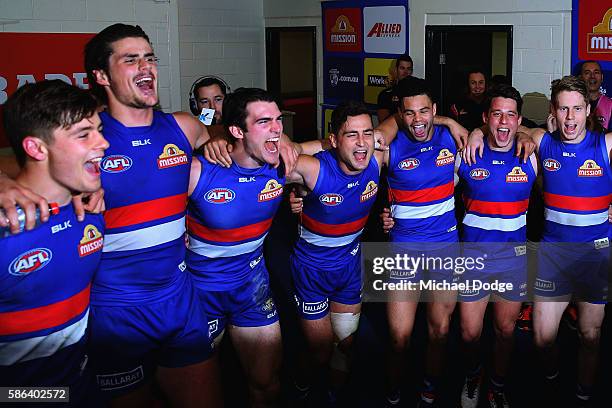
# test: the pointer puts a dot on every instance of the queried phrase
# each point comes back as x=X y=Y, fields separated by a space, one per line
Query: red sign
x=343 y=29
x=594 y=30
x=32 y=57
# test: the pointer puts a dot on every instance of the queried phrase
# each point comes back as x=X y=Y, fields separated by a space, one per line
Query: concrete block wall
x=223 y=38
x=158 y=18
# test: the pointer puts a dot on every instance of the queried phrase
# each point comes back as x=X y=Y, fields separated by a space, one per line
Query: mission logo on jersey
x=91 y=242
x=590 y=168
x=369 y=192
x=30 y=261
x=171 y=156
x=445 y=157
x=516 y=175
x=272 y=190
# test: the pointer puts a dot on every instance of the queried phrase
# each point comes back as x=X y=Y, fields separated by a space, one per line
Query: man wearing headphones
x=208 y=92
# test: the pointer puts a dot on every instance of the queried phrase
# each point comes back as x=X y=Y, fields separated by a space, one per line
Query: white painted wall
x=223 y=38
x=158 y=18
x=542 y=34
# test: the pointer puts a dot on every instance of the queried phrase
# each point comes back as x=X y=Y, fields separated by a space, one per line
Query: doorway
x=291 y=73
x=451 y=51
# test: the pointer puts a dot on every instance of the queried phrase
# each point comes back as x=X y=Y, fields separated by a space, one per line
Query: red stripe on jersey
x=424 y=195
x=228 y=235
x=578 y=203
x=496 y=207
x=44 y=317
x=333 y=229
x=147 y=211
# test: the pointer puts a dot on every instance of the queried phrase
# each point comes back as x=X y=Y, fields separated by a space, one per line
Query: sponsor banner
x=384 y=30
x=343 y=79
x=342 y=29
x=469 y=271
x=375 y=77
x=32 y=57
x=592 y=36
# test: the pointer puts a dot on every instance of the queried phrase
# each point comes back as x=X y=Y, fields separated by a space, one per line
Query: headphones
x=193 y=104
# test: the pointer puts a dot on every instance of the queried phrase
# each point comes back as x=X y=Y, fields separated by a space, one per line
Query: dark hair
x=475 y=70
x=343 y=111
x=235 y=105
x=209 y=81
x=499 y=79
x=412 y=86
x=99 y=49
x=581 y=66
x=404 y=57
x=568 y=83
x=503 y=91
x=40 y=108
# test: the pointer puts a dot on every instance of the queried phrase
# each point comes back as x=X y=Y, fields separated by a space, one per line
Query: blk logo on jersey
x=408 y=164
x=91 y=242
x=369 y=192
x=219 y=195
x=331 y=199
x=479 y=174
x=551 y=165
x=30 y=261
x=590 y=169
x=116 y=163
x=444 y=158
x=516 y=175
x=272 y=190
x=172 y=156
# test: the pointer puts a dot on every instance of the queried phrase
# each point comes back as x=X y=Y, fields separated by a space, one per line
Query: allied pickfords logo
x=551 y=165
x=342 y=31
x=516 y=175
x=385 y=30
x=369 y=192
x=331 y=199
x=219 y=195
x=91 y=242
x=116 y=163
x=445 y=157
x=172 y=156
x=408 y=164
x=600 y=40
x=272 y=190
x=30 y=261
x=479 y=174
x=590 y=169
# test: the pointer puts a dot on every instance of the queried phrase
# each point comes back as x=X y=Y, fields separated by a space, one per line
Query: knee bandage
x=343 y=325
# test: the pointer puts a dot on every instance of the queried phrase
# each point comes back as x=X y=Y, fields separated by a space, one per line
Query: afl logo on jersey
x=219 y=195
x=91 y=242
x=116 y=163
x=171 y=156
x=272 y=190
x=30 y=261
x=551 y=165
x=408 y=164
x=369 y=192
x=590 y=168
x=445 y=157
x=331 y=199
x=516 y=175
x=479 y=174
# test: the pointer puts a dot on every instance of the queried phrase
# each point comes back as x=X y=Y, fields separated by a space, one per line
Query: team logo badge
x=268 y=305
x=171 y=156
x=219 y=195
x=590 y=169
x=551 y=165
x=116 y=163
x=408 y=164
x=334 y=76
x=272 y=190
x=369 y=192
x=445 y=157
x=91 y=242
x=30 y=261
x=479 y=174
x=331 y=199
x=516 y=175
